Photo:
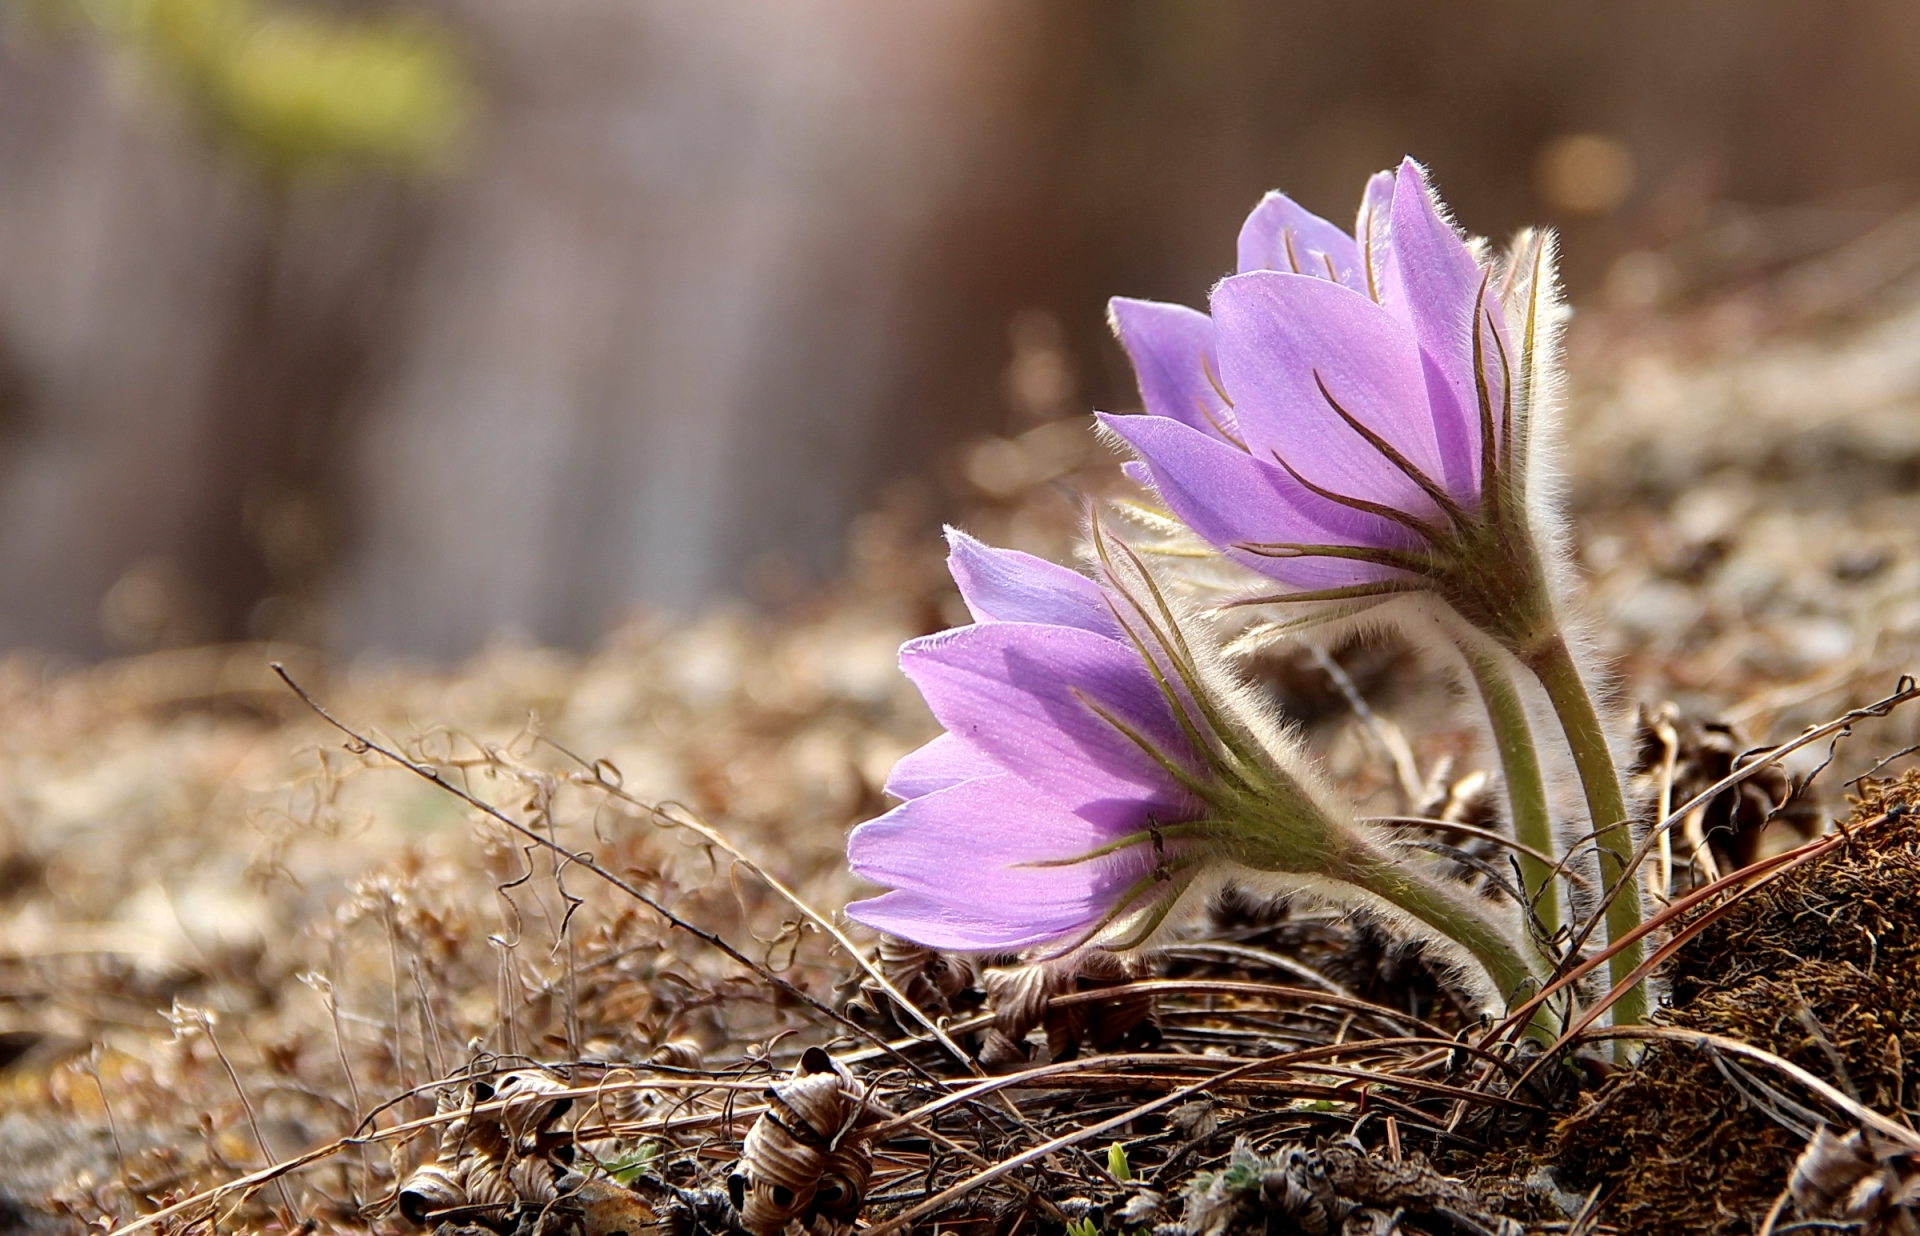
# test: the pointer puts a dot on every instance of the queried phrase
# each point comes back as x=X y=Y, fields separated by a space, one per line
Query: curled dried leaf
x=679 y=1054
x=530 y=1108
x=1858 y=1177
x=800 y=1161
x=488 y=1186
x=533 y=1181
x=488 y=1163
x=1021 y=996
x=1684 y=754
x=432 y=1189
x=935 y=982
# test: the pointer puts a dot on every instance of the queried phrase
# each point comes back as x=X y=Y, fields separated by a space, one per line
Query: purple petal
x=1281 y=338
x=1005 y=585
x=1226 y=496
x=1171 y=347
x=955 y=860
x=935 y=921
x=1022 y=693
x=1373 y=230
x=1437 y=286
x=1281 y=235
x=941 y=764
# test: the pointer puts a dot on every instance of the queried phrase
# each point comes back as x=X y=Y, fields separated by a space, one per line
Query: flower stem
x=1453 y=915
x=1289 y=833
x=1552 y=663
x=1526 y=789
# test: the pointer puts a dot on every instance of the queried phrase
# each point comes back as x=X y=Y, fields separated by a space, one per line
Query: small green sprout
x=629 y=1166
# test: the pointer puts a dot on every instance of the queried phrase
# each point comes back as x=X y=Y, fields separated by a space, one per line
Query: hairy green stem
x=1453 y=915
x=1288 y=833
x=1526 y=788
x=1552 y=663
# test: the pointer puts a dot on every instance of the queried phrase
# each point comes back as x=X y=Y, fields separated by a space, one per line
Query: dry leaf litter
x=228 y=938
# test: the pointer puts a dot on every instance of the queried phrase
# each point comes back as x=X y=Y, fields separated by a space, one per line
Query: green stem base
x=1526 y=787
x=1552 y=663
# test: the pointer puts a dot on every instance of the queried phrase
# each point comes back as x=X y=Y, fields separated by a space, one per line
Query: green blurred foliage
x=298 y=90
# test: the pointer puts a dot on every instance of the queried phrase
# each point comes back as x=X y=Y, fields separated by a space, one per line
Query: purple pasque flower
x=1350 y=420
x=1053 y=809
x=1097 y=761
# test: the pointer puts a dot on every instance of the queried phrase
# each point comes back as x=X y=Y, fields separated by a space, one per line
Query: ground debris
x=803 y=1163
x=506 y=1166
x=1020 y=998
x=932 y=980
x=1859 y=1178
x=490 y=1166
x=1680 y=754
x=1822 y=968
x=1335 y=1190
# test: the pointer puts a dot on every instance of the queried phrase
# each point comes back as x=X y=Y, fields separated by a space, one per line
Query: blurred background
x=395 y=327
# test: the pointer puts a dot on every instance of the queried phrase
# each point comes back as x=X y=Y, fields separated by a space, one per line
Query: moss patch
x=1821 y=967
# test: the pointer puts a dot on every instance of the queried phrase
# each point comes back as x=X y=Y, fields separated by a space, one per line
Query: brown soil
x=1821 y=967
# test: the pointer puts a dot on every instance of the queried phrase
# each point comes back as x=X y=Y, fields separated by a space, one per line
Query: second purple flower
x=1036 y=770
x=1097 y=762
